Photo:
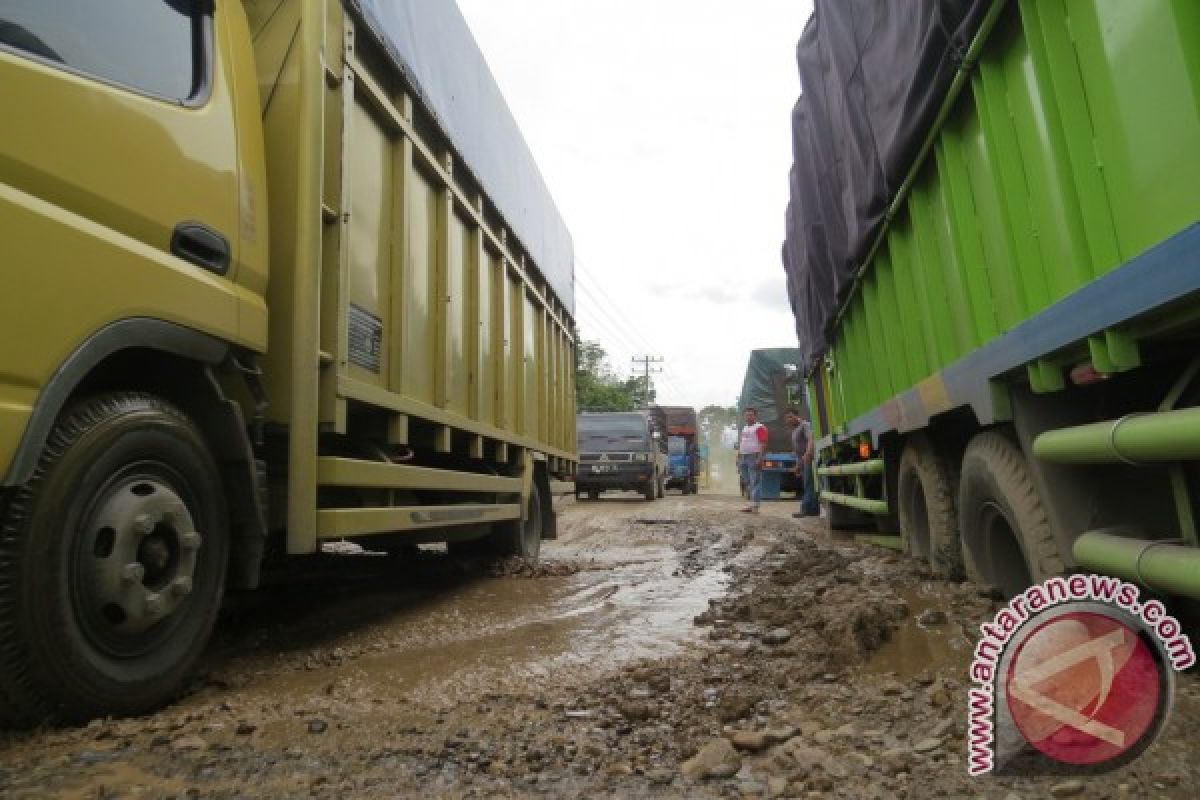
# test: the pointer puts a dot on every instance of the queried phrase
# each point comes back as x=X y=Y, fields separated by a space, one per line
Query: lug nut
x=133 y=573
x=154 y=605
x=175 y=514
x=143 y=524
x=182 y=586
x=191 y=541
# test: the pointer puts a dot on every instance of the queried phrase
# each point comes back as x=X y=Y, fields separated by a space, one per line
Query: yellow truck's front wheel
x=112 y=563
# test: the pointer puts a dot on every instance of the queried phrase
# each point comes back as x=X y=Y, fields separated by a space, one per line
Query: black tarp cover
x=430 y=43
x=873 y=76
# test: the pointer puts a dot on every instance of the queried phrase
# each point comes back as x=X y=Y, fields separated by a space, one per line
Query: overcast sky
x=662 y=129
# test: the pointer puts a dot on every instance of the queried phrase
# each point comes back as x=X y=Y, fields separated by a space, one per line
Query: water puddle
x=535 y=629
x=636 y=600
x=918 y=645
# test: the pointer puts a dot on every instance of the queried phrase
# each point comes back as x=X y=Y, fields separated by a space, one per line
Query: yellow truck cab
x=267 y=280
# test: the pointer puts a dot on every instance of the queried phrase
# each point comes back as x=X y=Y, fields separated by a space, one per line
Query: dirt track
x=648 y=632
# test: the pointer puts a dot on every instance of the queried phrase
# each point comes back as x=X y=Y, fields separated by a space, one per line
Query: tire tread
x=999 y=456
x=940 y=484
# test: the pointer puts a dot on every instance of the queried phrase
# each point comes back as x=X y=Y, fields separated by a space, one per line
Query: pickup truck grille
x=606 y=457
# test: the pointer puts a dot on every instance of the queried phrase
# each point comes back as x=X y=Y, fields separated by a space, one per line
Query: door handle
x=199 y=244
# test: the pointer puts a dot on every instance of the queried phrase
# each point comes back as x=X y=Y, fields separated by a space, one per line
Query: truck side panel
x=428 y=308
x=437 y=331
x=1071 y=153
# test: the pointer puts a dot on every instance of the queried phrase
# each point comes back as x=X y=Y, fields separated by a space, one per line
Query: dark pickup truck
x=623 y=450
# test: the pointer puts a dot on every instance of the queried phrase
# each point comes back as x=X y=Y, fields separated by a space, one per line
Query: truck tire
x=521 y=538
x=926 y=506
x=593 y=494
x=1006 y=536
x=112 y=564
x=649 y=491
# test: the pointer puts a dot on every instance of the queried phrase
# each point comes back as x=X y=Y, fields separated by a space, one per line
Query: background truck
x=772 y=384
x=994 y=262
x=683 y=471
x=621 y=451
x=276 y=272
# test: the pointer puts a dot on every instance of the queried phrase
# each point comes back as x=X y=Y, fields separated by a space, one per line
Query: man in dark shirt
x=802 y=445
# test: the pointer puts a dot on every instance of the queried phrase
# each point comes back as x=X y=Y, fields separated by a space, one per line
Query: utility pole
x=648 y=369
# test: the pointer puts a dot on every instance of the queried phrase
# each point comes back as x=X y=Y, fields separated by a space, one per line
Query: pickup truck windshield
x=612 y=435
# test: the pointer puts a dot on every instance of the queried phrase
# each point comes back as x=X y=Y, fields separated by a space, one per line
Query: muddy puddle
x=631 y=598
x=925 y=640
x=582 y=677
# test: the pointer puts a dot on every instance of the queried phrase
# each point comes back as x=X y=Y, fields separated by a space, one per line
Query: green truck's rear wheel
x=926 y=507
x=1007 y=540
x=112 y=564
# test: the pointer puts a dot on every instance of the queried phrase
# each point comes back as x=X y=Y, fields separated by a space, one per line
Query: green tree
x=643 y=396
x=597 y=387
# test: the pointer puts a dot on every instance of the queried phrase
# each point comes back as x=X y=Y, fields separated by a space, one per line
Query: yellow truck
x=272 y=273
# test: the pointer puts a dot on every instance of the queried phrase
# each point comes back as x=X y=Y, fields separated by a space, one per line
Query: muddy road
x=650 y=637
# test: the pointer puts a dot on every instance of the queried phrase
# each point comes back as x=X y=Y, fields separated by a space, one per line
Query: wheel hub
x=145 y=548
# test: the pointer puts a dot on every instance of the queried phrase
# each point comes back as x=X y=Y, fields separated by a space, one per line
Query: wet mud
x=669 y=649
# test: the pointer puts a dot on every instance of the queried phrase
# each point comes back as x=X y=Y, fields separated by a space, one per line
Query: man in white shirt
x=752 y=442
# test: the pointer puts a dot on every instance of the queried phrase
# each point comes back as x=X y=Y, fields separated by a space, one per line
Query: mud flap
x=244 y=478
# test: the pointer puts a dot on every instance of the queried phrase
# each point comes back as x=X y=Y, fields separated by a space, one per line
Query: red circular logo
x=1084 y=688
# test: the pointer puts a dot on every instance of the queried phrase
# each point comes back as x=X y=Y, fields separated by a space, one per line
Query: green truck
x=771 y=385
x=275 y=273
x=994 y=261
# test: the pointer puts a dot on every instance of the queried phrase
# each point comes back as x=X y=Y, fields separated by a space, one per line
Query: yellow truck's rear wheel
x=112 y=563
x=522 y=538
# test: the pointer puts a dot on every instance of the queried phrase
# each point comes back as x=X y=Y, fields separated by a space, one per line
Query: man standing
x=751 y=444
x=802 y=446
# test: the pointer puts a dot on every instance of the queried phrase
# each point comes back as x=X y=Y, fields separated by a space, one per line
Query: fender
x=127 y=334
x=198 y=393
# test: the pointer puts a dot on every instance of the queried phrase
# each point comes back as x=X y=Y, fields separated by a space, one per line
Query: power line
x=646 y=362
x=593 y=288
x=600 y=298
x=629 y=332
x=617 y=344
x=615 y=341
x=618 y=326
